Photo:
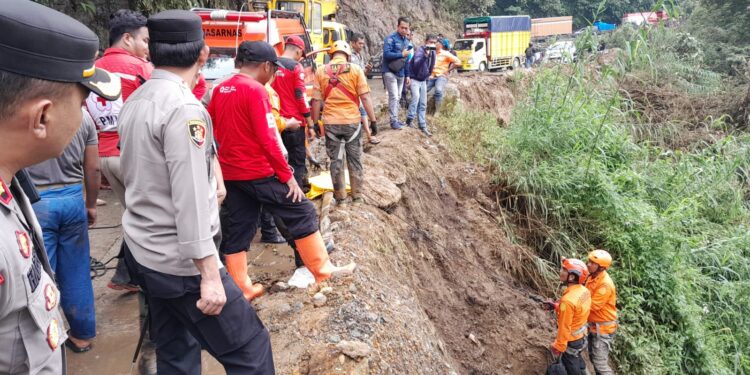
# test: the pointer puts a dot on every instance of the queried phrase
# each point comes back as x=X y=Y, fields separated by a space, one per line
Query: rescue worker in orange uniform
x=603 y=317
x=572 y=312
x=341 y=86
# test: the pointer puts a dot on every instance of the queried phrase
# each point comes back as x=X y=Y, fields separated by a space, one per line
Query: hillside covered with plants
x=645 y=155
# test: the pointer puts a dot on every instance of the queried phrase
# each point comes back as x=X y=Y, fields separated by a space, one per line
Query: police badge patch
x=5 y=196
x=53 y=334
x=50 y=297
x=24 y=244
x=197 y=132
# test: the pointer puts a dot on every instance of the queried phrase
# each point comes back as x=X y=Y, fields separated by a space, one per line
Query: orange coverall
x=572 y=315
x=603 y=317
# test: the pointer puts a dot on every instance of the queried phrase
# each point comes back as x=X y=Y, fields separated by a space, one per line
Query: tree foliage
x=583 y=11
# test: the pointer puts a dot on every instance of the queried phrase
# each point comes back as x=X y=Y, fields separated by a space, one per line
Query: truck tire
x=516 y=63
x=482 y=66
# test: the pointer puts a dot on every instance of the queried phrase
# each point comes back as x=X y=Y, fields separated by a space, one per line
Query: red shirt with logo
x=245 y=131
x=290 y=85
x=133 y=71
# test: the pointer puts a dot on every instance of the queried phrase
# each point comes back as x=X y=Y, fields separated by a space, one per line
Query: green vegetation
x=577 y=169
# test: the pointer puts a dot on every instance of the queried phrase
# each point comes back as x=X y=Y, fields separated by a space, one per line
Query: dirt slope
x=377 y=19
x=435 y=292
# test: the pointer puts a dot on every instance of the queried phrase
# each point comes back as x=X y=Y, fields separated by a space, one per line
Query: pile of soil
x=489 y=92
x=437 y=290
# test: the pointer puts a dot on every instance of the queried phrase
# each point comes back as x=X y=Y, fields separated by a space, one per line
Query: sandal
x=374 y=141
x=77 y=349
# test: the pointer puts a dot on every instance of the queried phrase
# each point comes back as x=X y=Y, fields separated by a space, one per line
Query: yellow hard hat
x=600 y=257
x=340 y=46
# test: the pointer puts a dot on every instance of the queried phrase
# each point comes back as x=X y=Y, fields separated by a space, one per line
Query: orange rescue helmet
x=576 y=267
x=340 y=46
x=600 y=257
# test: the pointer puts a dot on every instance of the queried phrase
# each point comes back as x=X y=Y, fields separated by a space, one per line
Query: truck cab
x=314 y=14
x=225 y=30
x=473 y=54
x=333 y=32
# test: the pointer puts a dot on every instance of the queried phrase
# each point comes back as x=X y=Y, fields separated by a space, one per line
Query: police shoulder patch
x=197 y=132
x=562 y=307
x=602 y=290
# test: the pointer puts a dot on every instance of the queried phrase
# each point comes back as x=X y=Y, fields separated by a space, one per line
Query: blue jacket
x=422 y=64
x=393 y=45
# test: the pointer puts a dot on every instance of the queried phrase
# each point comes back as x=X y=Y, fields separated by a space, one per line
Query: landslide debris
x=439 y=290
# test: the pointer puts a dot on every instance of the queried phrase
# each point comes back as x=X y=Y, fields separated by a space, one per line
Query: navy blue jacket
x=393 y=47
x=422 y=64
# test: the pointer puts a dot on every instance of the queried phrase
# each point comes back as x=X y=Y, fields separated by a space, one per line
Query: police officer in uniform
x=44 y=54
x=171 y=221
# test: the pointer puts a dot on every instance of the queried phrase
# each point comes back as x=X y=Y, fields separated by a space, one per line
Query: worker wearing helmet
x=572 y=312
x=342 y=85
x=603 y=317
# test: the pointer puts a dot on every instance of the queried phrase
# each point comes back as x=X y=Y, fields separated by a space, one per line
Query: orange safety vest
x=572 y=314
x=603 y=316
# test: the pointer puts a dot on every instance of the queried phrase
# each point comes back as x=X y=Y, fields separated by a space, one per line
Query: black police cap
x=257 y=51
x=38 y=42
x=174 y=27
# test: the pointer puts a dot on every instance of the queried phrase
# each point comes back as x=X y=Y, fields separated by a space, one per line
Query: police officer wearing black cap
x=46 y=71
x=171 y=221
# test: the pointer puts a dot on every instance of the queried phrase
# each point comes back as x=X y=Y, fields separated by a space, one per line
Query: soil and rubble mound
x=488 y=92
x=437 y=288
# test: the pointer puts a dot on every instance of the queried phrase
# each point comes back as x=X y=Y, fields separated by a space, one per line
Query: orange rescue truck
x=224 y=31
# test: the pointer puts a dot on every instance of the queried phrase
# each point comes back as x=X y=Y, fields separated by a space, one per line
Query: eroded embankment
x=440 y=288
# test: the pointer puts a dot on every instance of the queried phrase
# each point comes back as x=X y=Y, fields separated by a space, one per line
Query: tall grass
x=677 y=223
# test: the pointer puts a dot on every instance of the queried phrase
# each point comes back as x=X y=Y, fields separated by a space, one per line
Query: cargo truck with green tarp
x=493 y=42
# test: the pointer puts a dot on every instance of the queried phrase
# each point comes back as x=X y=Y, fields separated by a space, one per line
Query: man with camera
x=420 y=70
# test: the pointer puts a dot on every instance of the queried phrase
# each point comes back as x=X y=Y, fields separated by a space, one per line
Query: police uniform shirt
x=167 y=162
x=31 y=326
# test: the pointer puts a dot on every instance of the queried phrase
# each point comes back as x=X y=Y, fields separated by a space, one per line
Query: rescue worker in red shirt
x=126 y=58
x=290 y=85
x=603 y=317
x=256 y=173
x=572 y=312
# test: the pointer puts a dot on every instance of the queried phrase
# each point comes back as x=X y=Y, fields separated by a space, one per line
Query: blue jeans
x=418 y=103
x=529 y=61
x=393 y=85
x=62 y=215
x=439 y=85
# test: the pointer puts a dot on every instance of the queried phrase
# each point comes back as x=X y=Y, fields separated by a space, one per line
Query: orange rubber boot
x=237 y=268
x=312 y=249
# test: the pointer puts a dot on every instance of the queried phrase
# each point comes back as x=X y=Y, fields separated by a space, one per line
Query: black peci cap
x=175 y=27
x=42 y=43
x=257 y=51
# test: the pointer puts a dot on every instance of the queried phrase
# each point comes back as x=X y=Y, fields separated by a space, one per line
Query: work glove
x=555 y=353
x=550 y=305
x=374 y=127
x=318 y=128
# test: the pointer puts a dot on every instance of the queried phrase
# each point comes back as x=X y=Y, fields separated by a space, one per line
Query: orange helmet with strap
x=576 y=267
x=600 y=257
x=340 y=46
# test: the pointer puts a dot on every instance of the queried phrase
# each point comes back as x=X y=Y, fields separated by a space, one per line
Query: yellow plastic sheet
x=322 y=183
